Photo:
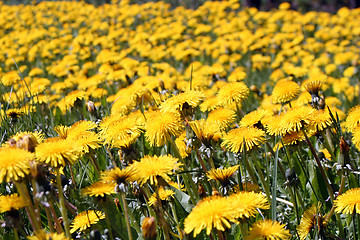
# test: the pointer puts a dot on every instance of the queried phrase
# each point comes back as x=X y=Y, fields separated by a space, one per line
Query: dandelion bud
x=201 y=190
x=148 y=228
x=117 y=203
x=344 y=152
x=12 y=142
x=90 y=106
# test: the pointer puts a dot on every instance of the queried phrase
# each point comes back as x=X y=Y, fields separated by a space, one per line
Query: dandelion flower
x=58 y=152
x=353 y=118
x=318 y=121
x=85 y=219
x=205 y=130
x=14 y=163
x=211 y=212
x=233 y=93
x=222 y=175
x=268 y=230
x=12 y=202
x=291 y=121
x=160 y=127
x=118 y=176
x=311 y=219
x=99 y=189
x=348 y=202
x=176 y=103
x=222 y=117
x=284 y=91
x=253 y=118
x=164 y=195
x=150 y=168
x=236 y=139
x=48 y=236
x=246 y=204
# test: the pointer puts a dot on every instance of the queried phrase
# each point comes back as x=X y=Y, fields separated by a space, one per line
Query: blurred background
x=266 y=5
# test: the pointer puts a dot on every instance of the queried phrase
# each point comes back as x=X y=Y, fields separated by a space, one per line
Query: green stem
x=22 y=188
x=189 y=183
x=262 y=178
x=125 y=206
x=62 y=204
x=322 y=171
x=50 y=222
x=16 y=234
x=107 y=220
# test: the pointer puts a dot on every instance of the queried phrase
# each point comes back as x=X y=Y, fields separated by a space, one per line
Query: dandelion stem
x=30 y=209
x=261 y=175
x=107 y=220
x=16 y=234
x=59 y=228
x=50 y=222
x=62 y=204
x=322 y=171
x=189 y=183
x=125 y=206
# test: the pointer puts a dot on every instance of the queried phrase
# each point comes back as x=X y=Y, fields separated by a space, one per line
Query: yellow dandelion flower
x=14 y=163
x=205 y=130
x=209 y=104
x=69 y=100
x=12 y=202
x=48 y=236
x=182 y=146
x=160 y=127
x=233 y=93
x=150 y=168
x=222 y=175
x=85 y=219
x=348 y=202
x=119 y=176
x=58 y=152
x=222 y=117
x=284 y=91
x=253 y=118
x=119 y=131
x=313 y=87
x=246 y=204
x=188 y=99
x=211 y=212
x=235 y=139
x=318 y=121
x=268 y=230
x=25 y=140
x=311 y=219
x=164 y=194
x=99 y=189
x=353 y=118
x=291 y=121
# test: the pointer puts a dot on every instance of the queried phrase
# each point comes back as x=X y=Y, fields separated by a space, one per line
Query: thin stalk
x=107 y=220
x=322 y=171
x=162 y=214
x=261 y=175
x=59 y=228
x=36 y=200
x=16 y=234
x=176 y=220
x=62 y=204
x=125 y=206
x=50 y=222
x=354 y=224
x=21 y=187
x=328 y=144
x=295 y=206
x=274 y=188
x=72 y=176
x=189 y=184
